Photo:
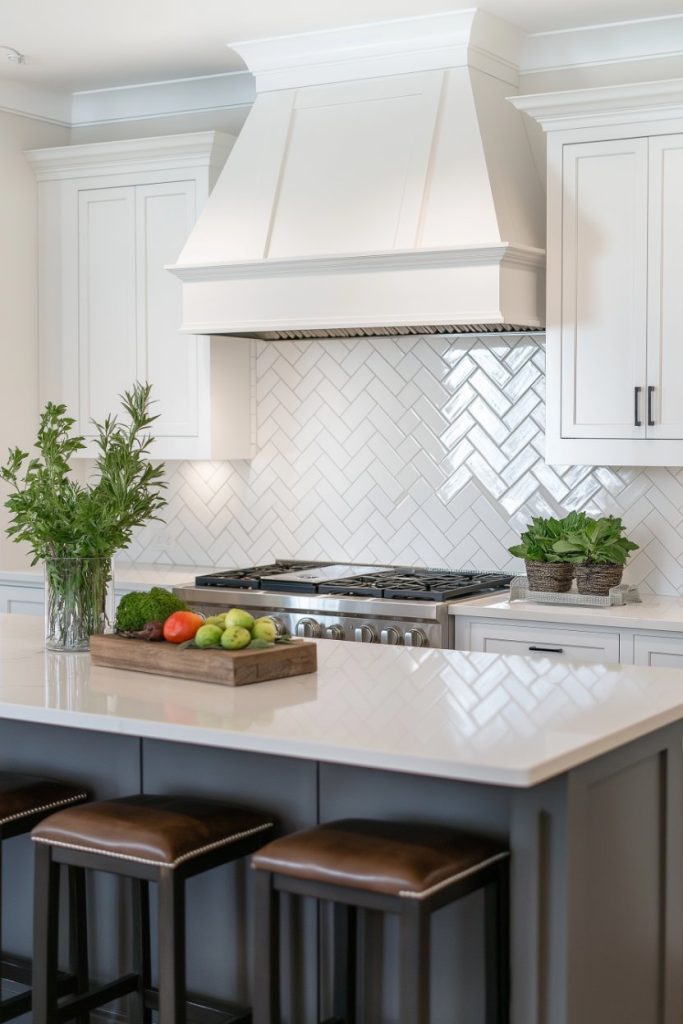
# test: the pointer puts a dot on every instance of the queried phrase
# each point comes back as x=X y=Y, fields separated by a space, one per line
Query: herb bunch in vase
x=76 y=529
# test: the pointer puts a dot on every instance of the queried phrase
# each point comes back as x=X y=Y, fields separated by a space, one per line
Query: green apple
x=208 y=635
x=238 y=617
x=234 y=638
x=264 y=629
x=216 y=620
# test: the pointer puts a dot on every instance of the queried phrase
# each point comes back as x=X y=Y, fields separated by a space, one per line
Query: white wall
x=19 y=285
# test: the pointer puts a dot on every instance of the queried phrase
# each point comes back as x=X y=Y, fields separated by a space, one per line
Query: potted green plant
x=74 y=528
x=546 y=568
x=599 y=551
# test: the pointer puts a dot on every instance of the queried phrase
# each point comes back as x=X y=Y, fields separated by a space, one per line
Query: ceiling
x=91 y=44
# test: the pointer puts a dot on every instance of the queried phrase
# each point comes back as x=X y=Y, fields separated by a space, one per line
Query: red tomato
x=182 y=626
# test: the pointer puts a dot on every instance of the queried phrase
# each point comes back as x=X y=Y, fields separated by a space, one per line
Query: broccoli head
x=138 y=608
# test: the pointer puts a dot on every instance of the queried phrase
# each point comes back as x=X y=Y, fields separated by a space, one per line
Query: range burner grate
x=420 y=585
x=250 y=579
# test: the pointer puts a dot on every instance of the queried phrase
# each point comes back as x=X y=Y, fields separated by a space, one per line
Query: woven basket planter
x=598 y=579
x=552 y=577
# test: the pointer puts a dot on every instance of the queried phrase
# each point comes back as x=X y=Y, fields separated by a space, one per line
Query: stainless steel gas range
x=360 y=603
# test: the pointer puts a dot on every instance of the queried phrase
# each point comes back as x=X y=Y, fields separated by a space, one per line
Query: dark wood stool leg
x=414 y=962
x=266 y=1000
x=78 y=934
x=141 y=948
x=497 y=939
x=0 y=893
x=344 y=992
x=171 y=947
x=45 y=936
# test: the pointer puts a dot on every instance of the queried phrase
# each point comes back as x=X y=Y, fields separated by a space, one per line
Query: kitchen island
x=579 y=767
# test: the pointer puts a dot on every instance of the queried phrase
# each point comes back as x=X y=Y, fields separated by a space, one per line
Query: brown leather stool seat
x=406 y=869
x=28 y=796
x=163 y=839
x=24 y=801
x=155 y=830
x=398 y=859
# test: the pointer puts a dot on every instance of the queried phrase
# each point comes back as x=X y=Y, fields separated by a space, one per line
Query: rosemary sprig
x=61 y=518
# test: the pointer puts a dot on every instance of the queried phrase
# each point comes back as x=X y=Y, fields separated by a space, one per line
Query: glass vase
x=79 y=601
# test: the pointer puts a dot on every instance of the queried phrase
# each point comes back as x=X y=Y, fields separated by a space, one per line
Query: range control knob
x=415 y=638
x=365 y=634
x=390 y=635
x=335 y=632
x=308 y=627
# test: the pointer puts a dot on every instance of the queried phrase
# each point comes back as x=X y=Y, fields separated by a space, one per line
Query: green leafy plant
x=59 y=517
x=539 y=540
x=595 y=542
x=77 y=528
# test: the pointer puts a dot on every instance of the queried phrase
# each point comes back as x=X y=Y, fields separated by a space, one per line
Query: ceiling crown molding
x=600 y=45
x=162 y=99
x=425 y=43
x=606 y=105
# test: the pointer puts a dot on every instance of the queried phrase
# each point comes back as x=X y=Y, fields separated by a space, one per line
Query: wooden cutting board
x=227 y=668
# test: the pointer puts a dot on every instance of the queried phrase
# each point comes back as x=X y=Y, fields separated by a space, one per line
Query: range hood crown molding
x=402 y=46
x=410 y=259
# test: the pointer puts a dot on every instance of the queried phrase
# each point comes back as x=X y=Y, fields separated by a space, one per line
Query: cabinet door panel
x=604 y=288
x=665 y=298
x=658 y=651
x=165 y=215
x=556 y=643
x=107 y=340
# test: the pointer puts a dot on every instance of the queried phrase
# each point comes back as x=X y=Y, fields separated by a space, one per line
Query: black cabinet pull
x=650 y=393
x=547 y=650
x=636 y=407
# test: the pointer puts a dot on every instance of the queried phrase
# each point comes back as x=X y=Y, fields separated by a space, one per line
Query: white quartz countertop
x=661 y=613
x=477 y=717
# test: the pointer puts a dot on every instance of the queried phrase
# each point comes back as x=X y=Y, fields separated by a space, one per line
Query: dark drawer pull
x=548 y=650
x=636 y=407
x=650 y=393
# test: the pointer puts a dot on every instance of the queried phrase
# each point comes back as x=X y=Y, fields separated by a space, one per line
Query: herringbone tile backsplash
x=422 y=451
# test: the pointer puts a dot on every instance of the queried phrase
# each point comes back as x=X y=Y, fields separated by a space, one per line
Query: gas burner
x=251 y=578
x=420 y=584
x=357 y=581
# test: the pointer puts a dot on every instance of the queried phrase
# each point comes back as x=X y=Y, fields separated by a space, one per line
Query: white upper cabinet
x=665 y=289
x=615 y=267
x=604 y=288
x=112 y=217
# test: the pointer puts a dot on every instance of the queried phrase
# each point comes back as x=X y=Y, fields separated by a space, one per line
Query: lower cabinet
x=657 y=651
x=563 y=641
x=22 y=600
x=29 y=598
x=531 y=640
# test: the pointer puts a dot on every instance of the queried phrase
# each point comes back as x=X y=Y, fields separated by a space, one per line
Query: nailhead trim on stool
x=141 y=860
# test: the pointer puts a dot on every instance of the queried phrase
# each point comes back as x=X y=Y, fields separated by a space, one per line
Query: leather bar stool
x=162 y=839
x=408 y=870
x=24 y=801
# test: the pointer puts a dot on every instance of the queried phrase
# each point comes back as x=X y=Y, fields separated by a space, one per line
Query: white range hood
x=382 y=184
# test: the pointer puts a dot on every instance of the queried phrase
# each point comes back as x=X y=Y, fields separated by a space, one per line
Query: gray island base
x=597 y=847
